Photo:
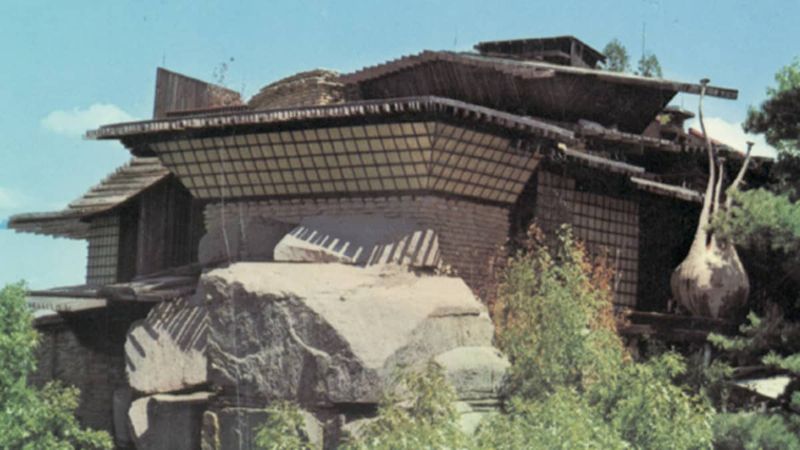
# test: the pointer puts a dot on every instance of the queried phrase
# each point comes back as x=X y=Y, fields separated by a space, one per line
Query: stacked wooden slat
x=117 y=188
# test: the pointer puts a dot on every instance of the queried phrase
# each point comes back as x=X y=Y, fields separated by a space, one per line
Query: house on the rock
x=428 y=162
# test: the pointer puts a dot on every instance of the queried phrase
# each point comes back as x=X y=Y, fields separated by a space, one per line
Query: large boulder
x=168 y=421
x=363 y=240
x=325 y=334
x=165 y=352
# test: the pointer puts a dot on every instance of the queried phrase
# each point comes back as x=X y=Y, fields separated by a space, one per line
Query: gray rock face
x=363 y=240
x=122 y=403
x=476 y=373
x=165 y=352
x=245 y=238
x=167 y=421
x=325 y=334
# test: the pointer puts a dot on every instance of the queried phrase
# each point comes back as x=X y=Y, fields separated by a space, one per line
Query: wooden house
x=471 y=145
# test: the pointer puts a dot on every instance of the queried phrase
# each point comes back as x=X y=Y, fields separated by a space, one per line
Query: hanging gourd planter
x=711 y=281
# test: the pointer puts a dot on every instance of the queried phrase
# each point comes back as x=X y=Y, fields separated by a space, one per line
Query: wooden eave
x=667 y=190
x=117 y=188
x=529 y=69
x=533 y=88
x=361 y=109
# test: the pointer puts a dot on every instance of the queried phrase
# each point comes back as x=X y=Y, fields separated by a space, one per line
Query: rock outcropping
x=330 y=337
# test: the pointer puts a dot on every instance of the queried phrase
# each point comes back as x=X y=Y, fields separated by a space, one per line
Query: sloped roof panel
x=122 y=185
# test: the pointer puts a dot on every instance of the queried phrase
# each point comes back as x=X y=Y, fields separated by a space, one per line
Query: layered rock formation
x=327 y=336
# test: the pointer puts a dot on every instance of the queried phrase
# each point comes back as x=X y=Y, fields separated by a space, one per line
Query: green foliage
x=647 y=408
x=779 y=116
x=31 y=418
x=283 y=430
x=617 y=59
x=562 y=420
x=554 y=322
x=751 y=431
x=761 y=220
x=420 y=414
x=649 y=66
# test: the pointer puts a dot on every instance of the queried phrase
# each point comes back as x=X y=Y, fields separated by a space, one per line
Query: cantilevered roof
x=117 y=188
x=419 y=144
x=359 y=109
x=533 y=88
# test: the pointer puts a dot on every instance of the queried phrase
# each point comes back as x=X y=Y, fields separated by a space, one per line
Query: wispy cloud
x=733 y=135
x=77 y=121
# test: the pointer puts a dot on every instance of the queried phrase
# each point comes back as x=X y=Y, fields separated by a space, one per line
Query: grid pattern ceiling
x=358 y=159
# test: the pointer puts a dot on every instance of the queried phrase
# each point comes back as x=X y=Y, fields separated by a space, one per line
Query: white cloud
x=77 y=121
x=732 y=134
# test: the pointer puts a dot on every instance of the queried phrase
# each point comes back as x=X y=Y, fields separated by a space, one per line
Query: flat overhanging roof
x=534 y=88
x=361 y=109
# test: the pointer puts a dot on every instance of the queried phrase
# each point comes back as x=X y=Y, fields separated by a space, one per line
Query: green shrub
x=283 y=430
x=562 y=420
x=31 y=418
x=419 y=414
x=753 y=431
x=554 y=319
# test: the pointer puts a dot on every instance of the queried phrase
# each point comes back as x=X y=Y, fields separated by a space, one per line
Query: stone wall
x=85 y=350
x=469 y=232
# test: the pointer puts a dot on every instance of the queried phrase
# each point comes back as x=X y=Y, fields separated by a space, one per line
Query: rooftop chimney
x=563 y=50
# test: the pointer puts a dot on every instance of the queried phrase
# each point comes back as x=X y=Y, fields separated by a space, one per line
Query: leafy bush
x=562 y=420
x=753 y=431
x=421 y=413
x=554 y=320
x=650 y=411
x=31 y=418
x=283 y=430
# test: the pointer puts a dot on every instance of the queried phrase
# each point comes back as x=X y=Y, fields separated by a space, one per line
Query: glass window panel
x=315 y=148
x=362 y=145
x=347 y=173
x=311 y=175
x=335 y=133
x=371 y=130
x=352 y=186
x=247 y=191
x=375 y=184
x=367 y=159
x=347 y=132
x=310 y=135
x=324 y=174
x=363 y=185
x=389 y=144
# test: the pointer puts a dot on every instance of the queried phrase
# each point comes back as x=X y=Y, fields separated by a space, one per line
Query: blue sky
x=73 y=65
